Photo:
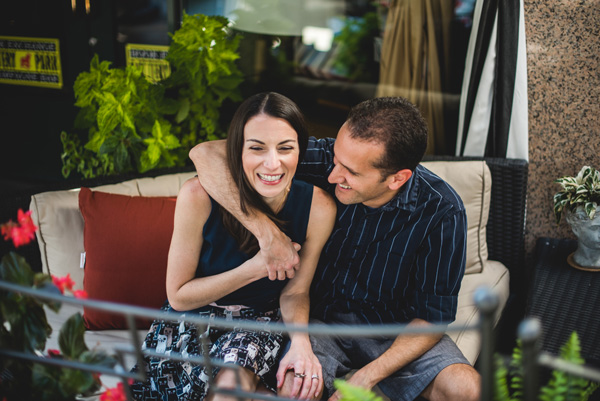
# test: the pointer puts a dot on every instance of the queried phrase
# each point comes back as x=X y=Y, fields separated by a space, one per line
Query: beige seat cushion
x=494 y=276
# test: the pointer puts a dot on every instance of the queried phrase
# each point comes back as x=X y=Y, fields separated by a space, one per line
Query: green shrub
x=135 y=125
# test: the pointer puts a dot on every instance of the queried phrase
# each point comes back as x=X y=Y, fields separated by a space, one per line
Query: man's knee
x=455 y=382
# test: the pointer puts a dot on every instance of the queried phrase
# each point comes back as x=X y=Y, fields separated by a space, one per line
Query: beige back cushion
x=60 y=233
x=472 y=181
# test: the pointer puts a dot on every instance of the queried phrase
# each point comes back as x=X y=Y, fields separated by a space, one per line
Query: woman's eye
x=286 y=148
x=257 y=148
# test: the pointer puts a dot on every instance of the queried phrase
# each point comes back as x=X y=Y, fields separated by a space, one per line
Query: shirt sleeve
x=317 y=163
x=440 y=269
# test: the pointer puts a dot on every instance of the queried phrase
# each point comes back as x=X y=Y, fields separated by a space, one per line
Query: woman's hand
x=300 y=374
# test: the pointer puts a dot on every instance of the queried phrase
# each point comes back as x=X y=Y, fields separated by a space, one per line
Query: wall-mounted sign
x=30 y=61
x=151 y=58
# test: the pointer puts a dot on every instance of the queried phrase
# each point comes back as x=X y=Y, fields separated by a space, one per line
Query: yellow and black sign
x=151 y=58
x=30 y=61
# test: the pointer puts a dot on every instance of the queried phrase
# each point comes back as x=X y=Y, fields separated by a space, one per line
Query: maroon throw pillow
x=126 y=241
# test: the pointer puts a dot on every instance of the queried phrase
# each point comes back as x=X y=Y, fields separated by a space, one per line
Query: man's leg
x=455 y=382
x=418 y=377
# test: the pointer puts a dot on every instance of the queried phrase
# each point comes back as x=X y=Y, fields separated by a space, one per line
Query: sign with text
x=30 y=61
x=151 y=58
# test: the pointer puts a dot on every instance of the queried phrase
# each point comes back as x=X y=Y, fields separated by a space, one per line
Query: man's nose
x=334 y=176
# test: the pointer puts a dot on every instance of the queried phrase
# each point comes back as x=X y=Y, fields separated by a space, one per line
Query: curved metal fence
x=486 y=301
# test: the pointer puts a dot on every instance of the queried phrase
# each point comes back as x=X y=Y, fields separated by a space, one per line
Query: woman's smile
x=270 y=179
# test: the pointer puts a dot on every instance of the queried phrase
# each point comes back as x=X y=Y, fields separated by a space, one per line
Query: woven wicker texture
x=565 y=299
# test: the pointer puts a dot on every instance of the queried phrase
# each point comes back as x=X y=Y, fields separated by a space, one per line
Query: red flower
x=53 y=352
x=80 y=294
x=63 y=283
x=114 y=394
x=7 y=228
x=28 y=229
x=21 y=233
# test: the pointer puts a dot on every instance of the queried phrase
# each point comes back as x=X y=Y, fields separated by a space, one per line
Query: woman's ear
x=399 y=179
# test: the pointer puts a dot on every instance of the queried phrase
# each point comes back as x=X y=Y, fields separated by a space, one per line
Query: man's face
x=357 y=181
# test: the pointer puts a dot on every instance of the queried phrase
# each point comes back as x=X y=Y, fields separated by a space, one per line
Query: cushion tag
x=82 y=260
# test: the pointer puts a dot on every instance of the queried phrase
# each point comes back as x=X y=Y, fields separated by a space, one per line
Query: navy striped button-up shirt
x=401 y=261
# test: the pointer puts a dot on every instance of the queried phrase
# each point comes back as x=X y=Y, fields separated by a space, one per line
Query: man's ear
x=399 y=179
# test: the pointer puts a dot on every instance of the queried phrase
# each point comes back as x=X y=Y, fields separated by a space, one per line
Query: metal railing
x=486 y=301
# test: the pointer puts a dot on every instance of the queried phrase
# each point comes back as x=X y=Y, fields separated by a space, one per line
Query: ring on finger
x=299 y=375
x=315 y=376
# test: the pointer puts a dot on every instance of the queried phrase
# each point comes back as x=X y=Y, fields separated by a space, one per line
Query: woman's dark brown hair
x=274 y=105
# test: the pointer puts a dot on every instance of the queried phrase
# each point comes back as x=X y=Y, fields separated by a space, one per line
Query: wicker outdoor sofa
x=493 y=189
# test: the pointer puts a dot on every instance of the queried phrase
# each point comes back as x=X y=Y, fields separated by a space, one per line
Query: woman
x=216 y=268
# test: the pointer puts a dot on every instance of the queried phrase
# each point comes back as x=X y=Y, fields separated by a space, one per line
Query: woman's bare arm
x=295 y=305
x=185 y=291
x=280 y=254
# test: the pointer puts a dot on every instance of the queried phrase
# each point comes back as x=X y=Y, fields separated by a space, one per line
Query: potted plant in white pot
x=579 y=200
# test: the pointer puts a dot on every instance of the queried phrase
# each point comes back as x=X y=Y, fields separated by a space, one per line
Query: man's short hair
x=395 y=122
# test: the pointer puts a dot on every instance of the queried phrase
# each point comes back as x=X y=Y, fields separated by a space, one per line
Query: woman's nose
x=272 y=161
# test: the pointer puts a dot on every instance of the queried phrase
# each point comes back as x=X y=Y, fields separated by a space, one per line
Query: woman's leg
x=230 y=379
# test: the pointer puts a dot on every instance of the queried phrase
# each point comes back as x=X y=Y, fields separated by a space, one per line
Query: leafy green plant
x=355 y=55
x=354 y=393
x=25 y=329
x=133 y=124
x=582 y=190
x=561 y=386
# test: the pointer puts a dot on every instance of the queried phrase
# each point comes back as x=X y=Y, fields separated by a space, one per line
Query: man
x=396 y=254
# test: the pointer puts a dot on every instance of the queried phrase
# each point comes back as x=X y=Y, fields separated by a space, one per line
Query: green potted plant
x=135 y=125
x=579 y=192
x=579 y=200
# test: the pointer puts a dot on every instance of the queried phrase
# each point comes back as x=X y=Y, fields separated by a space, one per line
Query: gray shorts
x=340 y=355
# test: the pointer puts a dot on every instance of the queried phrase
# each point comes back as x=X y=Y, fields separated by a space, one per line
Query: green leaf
x=71 y=337
x=184 y=110
x=121 y=158
x=501 y=391
x=15 y=269
x=109 y=116
x=46 y=383
x=109 y=145
x=76 y=381
x=354 y=393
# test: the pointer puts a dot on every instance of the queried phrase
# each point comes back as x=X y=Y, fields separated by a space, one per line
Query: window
x=328 y=55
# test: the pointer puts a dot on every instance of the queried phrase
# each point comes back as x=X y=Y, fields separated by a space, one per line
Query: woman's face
x=270 y=156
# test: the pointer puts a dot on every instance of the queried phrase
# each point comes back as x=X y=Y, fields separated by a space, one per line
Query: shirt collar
x=406 y=198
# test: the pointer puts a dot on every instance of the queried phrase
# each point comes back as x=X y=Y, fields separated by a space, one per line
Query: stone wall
x=563 y=53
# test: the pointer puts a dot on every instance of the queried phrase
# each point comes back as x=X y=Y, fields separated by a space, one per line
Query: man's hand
x=280 y=254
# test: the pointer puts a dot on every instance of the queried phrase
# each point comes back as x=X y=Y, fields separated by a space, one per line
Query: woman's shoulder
x=319 y=196
x=192 y=191
x=323 y=201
